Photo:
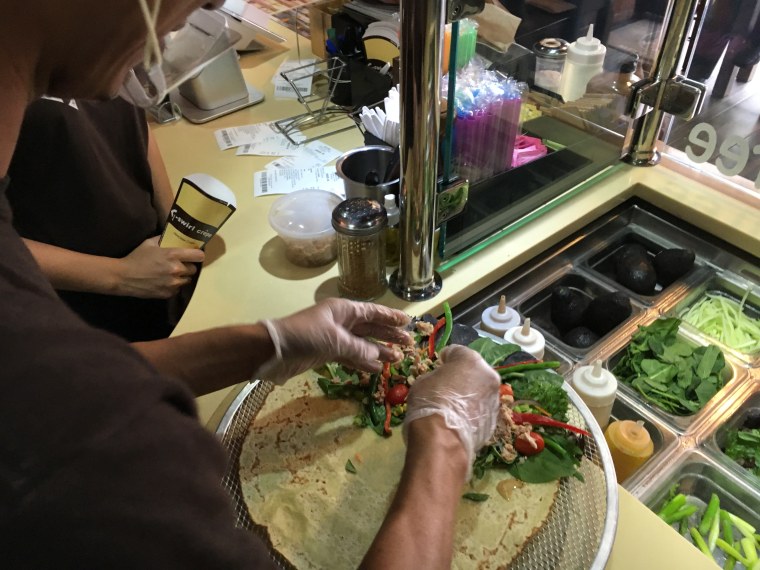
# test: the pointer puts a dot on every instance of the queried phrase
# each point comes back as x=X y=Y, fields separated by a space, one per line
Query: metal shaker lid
x=359 y=217
x=551 y=48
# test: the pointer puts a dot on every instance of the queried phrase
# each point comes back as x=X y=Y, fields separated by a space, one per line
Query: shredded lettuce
x=725 y=320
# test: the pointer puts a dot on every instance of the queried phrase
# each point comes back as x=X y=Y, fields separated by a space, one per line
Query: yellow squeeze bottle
x=630 y=446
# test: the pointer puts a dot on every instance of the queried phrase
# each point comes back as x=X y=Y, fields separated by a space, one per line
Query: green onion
x=743 y=526
x=682 y=513
x=750 y=550
x=729 y=563
x=350 y=467
x=727 y=527
x=710 y=512
x=730 y=550
x=712 y=537
x=672 y=506
x=700 y=542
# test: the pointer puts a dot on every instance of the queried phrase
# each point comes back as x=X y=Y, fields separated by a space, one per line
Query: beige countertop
x=246 y=277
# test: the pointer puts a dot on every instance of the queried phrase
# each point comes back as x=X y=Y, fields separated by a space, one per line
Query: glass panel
x=575 y=105
x=724 y=138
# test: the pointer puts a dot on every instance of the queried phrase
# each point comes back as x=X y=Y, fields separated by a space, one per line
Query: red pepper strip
x=431 y=339
x=537 y=420
x=387 y=423
x=384 y=379
x=504 y=367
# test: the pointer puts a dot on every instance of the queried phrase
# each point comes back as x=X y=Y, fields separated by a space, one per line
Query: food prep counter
x=246 y=276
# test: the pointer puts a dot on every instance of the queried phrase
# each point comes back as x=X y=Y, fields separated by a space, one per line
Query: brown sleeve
x=147 y=496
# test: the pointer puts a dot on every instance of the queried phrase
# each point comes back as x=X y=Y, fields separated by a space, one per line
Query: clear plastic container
x=303 y=220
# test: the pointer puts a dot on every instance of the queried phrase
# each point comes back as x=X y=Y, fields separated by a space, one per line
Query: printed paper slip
x=313 y=154
x=250 y=134
x=300 y=72
x=286 y=180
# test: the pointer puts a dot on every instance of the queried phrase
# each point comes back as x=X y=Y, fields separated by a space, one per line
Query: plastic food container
x=303 y=219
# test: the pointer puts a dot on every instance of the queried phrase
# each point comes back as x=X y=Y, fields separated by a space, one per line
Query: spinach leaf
x=560 y=458
x=491 y=351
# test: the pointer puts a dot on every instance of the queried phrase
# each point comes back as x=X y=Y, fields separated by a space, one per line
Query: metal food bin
x=687 y=449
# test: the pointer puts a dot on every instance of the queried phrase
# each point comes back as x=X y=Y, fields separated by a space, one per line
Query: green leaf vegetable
x=544 y=387
x=743 y=446
x=493 y=352
x=672 y=374
x=350 y=467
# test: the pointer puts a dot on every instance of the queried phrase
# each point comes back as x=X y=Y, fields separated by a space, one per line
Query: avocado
x=607 y=311
x=545 y=324
x=580 y=337
x=635 y=270
x=463 y=334
x=670 y=264
x=567 y=307
x=752 y=421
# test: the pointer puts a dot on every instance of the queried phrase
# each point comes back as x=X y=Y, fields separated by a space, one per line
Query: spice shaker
x=360 y=227
x=550 y=61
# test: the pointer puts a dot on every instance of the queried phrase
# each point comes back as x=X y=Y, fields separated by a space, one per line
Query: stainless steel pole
x=422 y=24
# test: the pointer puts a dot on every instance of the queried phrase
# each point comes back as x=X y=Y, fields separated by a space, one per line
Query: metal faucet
x=665 y=91
x=422 y=23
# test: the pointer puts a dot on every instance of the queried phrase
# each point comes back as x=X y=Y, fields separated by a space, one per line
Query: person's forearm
x=163 y=192
x=213 y=359
x=74 y=271
x=418 y=531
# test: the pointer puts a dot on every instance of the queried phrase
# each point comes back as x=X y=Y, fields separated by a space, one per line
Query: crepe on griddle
x=319 y=516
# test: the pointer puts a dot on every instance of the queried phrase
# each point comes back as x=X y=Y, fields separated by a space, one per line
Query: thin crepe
x=320 y=516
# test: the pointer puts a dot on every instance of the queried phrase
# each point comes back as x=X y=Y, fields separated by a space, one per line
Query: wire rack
x=577 y=535
x=329 y=82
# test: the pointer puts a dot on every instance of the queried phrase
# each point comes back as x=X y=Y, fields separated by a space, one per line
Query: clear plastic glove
x=335 y=330
x=464 y=390
x=153 y=272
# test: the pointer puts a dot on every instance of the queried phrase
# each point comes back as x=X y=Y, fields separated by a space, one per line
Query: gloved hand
x=464 y=390
x=334 y=331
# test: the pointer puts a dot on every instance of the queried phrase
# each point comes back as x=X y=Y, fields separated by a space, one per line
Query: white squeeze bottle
x=585 y=58
x=528 y=339
x=498 y=319
x=597 y=387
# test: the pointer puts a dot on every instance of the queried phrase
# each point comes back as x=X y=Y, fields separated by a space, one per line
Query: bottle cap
x=529 y=339
x=632 y=438
x=595 y=385
x=391 y=209
x=498 y=319
x=587 y=50
x=551 y=48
